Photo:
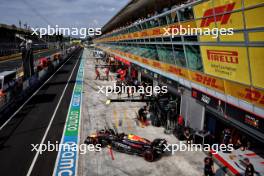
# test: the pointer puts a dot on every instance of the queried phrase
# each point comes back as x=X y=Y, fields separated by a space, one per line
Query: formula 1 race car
x=128 y=143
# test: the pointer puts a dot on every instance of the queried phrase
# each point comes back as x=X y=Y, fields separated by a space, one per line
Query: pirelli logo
x=222 y=18
x=223 y=56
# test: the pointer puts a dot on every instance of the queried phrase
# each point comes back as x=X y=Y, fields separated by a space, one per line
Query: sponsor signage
x=223 y=18
x=230 y=111
x=219 y=14
x=257 y=65
x=66 y=163
x=210 y=14
x=156 y=64
x=254 y=16
x=254 y=95
x=208 y=81
x=144 y=33
x=245 y=117
x=122 y=60
x=209 y=100
x=68 y=157
x=145 y=61
x=156 y=31
x=240 y=91
x=226 y=62
x=223 y=56
x=135 y=35
x=177 y=71
x=247 y=93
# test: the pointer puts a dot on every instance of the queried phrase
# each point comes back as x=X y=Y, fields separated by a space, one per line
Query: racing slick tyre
x=149 y=155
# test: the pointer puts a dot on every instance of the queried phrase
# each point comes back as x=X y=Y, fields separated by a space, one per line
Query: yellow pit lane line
x=126 y=119
x=115 y=117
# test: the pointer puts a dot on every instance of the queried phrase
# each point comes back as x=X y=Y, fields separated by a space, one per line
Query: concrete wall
x=192 y=112
x=139 y=76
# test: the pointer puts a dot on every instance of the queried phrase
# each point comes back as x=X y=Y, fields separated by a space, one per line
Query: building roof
x=5 y=73
x=136 y=9
x=14 y=28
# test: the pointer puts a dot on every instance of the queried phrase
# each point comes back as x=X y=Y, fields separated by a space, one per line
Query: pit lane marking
x=51 y=120
x=127 y=120
x=19 y=109
x=67 y=159
x=115 y=117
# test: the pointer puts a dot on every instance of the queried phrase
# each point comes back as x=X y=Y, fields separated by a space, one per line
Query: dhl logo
x=219 y=18
x=126 y=54
x=223 y=56
x=254 y=96
x=136 y=35
x=156 y=32
x=136 y=58
x=156 y=64
x=205 y=80
x=176 y=71
x=145 y=61
x=144 y=33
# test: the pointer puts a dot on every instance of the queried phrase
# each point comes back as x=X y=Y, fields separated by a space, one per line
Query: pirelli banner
x=226 y=62
x=256 y=58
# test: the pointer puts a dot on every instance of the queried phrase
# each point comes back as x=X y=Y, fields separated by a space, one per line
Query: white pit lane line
x=52 y=118
x=19 y=109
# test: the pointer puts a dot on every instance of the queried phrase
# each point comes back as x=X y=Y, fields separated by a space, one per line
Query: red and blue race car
x=128 y=143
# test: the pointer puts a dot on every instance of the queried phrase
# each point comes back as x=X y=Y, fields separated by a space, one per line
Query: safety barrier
x=21 y=89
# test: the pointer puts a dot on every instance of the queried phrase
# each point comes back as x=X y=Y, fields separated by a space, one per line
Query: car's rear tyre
x=149 y=155
x=103 y=143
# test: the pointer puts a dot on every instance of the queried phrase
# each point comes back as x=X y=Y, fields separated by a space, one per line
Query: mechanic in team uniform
x=249 y=168
x=142 y=113
x=209 y=166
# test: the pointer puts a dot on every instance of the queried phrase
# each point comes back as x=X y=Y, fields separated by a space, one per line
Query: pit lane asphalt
x=29 y=125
